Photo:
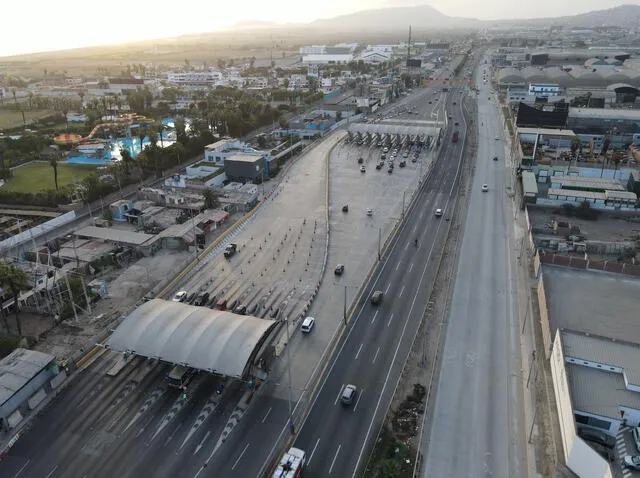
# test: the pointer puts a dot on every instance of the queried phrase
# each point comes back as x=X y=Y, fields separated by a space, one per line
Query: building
x=217 y=152
x=313 y=50
x=213 y=78
x=122 y=85
x=374 y=57
x=327 y=59
x=605 y=121
x=26 y=378
x=119 y=209
x=544 y=89
x=256 y=82
x=246 y=167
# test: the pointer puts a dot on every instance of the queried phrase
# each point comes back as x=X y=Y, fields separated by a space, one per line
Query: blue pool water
x=112 y=150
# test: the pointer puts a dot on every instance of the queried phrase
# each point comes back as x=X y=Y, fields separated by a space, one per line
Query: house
x=119 y=210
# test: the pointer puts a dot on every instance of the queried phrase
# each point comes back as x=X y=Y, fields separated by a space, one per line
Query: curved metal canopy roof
x=198 y=337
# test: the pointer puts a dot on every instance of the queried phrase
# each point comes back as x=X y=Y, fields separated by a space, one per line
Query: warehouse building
x=26 y=378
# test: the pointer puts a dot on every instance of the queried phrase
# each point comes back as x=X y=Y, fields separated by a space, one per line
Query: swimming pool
x=112 y=153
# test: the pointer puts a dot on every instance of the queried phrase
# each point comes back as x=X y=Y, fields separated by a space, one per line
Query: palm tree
x=14 y=280
x=142 y=134
x=53 y=161
x=160 y=128
x=210 y=199
x=81 y=94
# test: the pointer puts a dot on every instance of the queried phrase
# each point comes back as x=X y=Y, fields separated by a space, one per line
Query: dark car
x=221 y=304
x=495 y=158
x=376 y=297
x=379 y=165
x=456 y=123
x=339 y=269
x=201 y=299
x=360 y=160
x=605 y=452
x=596 y=436
x=402 y=164
x=240 y=310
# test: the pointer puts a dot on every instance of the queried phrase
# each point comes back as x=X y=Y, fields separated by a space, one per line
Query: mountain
x=393 y=18
x=623 y=16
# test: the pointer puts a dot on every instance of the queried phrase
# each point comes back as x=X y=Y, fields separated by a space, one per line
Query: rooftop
x=586 y=182
x=604 y=113
x=18 y=368
x=245 y=157
x=571 y=193
x=630 y=195
x=116 y=235
x=547 y=131
x=529 y=182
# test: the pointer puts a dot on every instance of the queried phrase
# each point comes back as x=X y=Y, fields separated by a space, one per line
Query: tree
x=262 y=142
x=338 y=116
x=14 y=280
x=252 y=61
x=127 y=160
x=575 y=145
x=606 y=143
x=53 y=161
x=210 y=199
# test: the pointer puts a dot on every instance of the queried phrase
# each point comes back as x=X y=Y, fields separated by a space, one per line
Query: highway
x=379 y=338
x=477 y=424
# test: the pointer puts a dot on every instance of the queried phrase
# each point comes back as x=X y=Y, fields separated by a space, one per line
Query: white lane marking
x=374 y=316
x=312 y=452
x=395 y=354
x=358 y=400
x=375 y=356
x=241 y=454
x=52 y=471
x=358 y=352
x=390 y=319
x=387 y=289
x=401 y=291
x=405 y=246
x=334 y=458
x=411 y=267
x=201 y=444
x=339 y=393
x=22 y=468
x=398 y=265
x=267 y=414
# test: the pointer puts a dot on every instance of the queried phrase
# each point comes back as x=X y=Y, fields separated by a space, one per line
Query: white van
x=307 y=324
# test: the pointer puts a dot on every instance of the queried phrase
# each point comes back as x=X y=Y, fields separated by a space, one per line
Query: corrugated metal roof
x=583 y=181
x=197 y=337
x=605 y=352
x=598 y=392
x=529 y=183
x=18 y=368
x=116 y=235
x=621 y=195
x=570 y=193
x=547 y=131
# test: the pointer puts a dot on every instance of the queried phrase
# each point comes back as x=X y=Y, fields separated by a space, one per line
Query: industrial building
x=246 y=167
x=26 y=378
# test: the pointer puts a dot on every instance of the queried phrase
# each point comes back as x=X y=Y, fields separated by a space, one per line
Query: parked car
x=180 y=296
x=360 y=160
x=495 y=158
x=348 y=394
x=369 y=212
x=202 y=299
x=596 y=436
x=307 y=324
x=632 y=462
x=402 y=164
x=240 y=310
x=345 y=208
x=221 y=304
x=635 y=432
x=363 y=169
x=376 y=297
x=339 y=269
x=230 y=250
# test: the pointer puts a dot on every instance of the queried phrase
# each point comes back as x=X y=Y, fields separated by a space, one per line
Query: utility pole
x=379 y=242
x=344 y=312
x=403 y=195
x=292 y=426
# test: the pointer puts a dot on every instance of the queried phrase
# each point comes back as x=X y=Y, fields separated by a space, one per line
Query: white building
x=544 y=89
x=217 y=152
x=374 y=57
x=256 y=82
x=381 y=48
x=196 y=78
x=340 y=59
x=313 y=50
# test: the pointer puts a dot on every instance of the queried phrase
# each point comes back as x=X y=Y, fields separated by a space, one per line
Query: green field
x=10 y=118
x=36 y=177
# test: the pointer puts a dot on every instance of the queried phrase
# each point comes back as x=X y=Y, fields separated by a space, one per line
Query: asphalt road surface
x=477 y=427
x=371 y=357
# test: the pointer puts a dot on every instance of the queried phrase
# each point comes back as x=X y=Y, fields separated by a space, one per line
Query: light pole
x=292 y=427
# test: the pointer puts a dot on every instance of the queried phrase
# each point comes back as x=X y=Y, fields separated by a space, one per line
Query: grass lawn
x=11 y=119
x=36 y=177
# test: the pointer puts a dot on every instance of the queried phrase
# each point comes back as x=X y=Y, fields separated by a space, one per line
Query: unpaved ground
x=608 y=227
x=125 y=288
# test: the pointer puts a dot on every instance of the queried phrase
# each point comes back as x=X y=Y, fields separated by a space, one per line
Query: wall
x=544 y=316
x=592 y=264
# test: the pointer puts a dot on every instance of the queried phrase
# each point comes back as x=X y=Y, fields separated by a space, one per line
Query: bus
x=180 y=376
x=291 y=464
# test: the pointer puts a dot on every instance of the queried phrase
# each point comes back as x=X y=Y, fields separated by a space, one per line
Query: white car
x=497 y=138
x=363 y=169
x=307 y=324
x=632 y=462
x=180 y=296
x=485 y=188
x=438 y=212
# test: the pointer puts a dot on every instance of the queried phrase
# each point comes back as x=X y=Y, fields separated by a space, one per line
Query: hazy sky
x=39 y=25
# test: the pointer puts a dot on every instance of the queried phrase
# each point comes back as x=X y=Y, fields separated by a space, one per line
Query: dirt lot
x=607 y=227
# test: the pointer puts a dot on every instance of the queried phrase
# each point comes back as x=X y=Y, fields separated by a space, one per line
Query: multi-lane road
x=379 y=338
x=477 y=425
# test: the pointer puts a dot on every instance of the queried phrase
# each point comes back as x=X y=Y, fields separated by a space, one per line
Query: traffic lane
x=58 y=429
x=338 y=378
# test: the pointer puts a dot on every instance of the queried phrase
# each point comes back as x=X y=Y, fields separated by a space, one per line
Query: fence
x=591 y=264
